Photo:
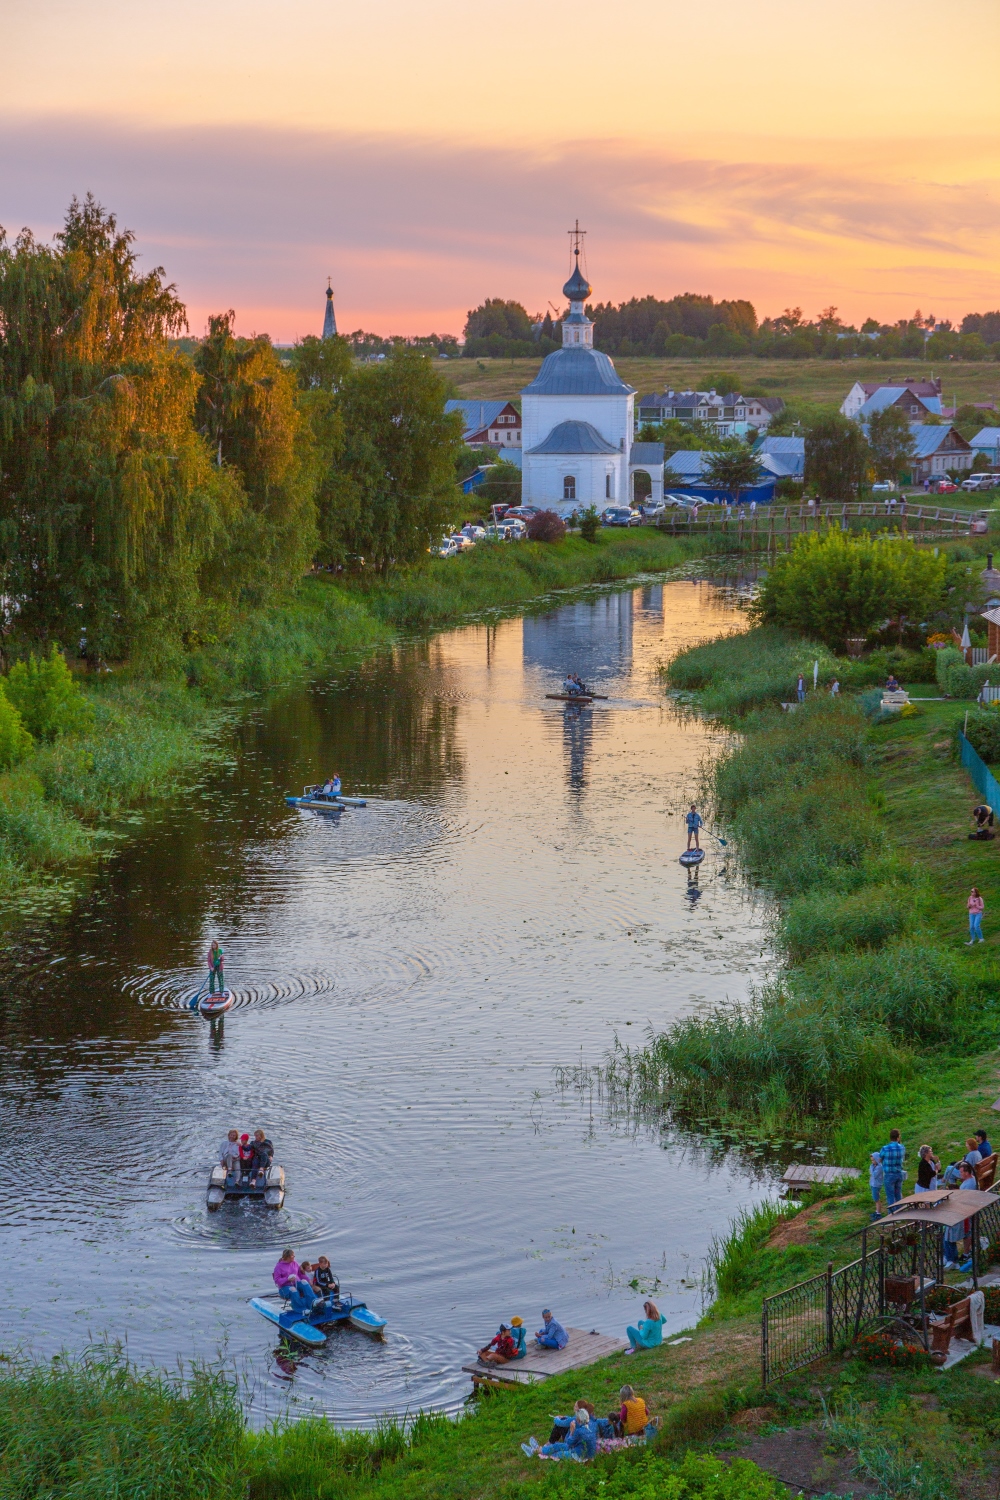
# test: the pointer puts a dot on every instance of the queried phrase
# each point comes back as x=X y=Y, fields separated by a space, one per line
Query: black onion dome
x=577 y=288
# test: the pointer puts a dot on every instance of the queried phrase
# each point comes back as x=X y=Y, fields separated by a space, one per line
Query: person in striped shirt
x=891 y=1157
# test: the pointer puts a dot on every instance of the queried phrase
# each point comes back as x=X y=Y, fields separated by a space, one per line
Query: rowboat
x=313 y=797
x=315 y=1328
x=223 y=1185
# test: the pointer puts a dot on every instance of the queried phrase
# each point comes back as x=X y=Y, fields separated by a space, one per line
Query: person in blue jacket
x=580 y=1441
x=650 y=1330
x=552 y=1335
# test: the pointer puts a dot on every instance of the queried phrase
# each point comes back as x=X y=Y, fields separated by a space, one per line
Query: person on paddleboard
x=216 y=961
x=694 y=822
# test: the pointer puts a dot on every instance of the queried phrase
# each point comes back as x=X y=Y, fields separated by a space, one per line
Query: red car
x=941 y=487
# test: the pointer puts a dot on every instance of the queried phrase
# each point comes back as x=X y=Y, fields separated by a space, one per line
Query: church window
x=569 y=486
x=607 y=486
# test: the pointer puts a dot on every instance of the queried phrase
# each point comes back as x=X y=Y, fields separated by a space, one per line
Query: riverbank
x=72 y=801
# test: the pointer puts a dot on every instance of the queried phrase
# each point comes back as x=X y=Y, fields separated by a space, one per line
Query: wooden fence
x=772 y=527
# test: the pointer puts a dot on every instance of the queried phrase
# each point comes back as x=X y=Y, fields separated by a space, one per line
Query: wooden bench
x=986 y=1173
x=955 y=1323
x=898 y=699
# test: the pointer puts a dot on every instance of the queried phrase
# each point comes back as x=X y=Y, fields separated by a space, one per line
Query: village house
x=916 y=397
x=495 y=424
x=937 y=450
x=987 y=442
x=731 y=415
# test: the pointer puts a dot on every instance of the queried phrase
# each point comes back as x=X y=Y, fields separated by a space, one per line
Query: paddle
x=193 y=1002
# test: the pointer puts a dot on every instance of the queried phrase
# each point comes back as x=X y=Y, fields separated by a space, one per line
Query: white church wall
x=611 y=415
x=544 y=475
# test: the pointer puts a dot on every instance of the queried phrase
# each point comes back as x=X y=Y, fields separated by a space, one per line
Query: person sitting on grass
x=500 y=1348
x=650 y=1330
x=580 y=1442
x=551 y=1335
x=632 y=1415
x=561 y=1425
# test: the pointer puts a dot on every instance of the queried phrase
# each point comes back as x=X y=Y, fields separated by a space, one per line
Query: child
x=324 y=1280
x=876 y=1179
x=246 y=1155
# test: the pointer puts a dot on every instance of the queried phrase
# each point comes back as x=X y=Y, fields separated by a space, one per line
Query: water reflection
x=407 y=977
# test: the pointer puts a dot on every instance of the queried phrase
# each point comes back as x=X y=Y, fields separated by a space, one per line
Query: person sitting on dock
x=500 y=1348
x=263 y=1154
x=229 y=1153
x=552 y=1335
x=694 y=821
x=650 y=1330
x=216 y=962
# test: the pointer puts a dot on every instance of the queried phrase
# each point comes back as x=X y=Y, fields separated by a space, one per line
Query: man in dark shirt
x=263 y=1153
x=985 y=1149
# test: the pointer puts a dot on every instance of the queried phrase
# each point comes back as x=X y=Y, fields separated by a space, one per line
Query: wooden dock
x=804 y=1174
x=540 y=1364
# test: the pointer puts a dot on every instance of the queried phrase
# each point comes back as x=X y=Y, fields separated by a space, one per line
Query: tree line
x=147 y=492
x=694 y=325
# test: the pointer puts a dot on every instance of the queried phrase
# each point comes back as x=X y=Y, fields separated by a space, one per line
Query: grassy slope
x=67 y=801
x=813 y=382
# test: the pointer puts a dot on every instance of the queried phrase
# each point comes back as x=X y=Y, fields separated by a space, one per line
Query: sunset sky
x=429 y=155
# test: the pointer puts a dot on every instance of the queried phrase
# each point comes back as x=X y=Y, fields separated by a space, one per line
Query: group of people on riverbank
x=886 y=1174
x=246 y=1158
x=583 y=1434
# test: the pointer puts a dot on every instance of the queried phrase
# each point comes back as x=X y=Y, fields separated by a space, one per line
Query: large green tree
x=838 y=458
x=734 y=469
x=391 y=486
x=834 y=584
x=891 y=442
x=111 y=513
x=248 y=413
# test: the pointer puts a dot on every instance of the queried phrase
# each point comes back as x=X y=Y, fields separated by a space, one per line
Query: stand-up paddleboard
x=290 y=1323
x=691 y=857
x=216 y=1005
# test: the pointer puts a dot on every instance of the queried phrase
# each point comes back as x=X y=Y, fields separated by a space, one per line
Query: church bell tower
x=330 y=318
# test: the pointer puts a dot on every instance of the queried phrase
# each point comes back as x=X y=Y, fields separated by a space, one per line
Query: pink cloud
x=414 y=232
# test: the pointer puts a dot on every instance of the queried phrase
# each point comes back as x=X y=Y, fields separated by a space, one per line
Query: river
x=409 y=977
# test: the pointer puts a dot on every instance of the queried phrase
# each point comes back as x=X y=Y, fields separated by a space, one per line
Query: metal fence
x=982 y=777
x=830 y=1311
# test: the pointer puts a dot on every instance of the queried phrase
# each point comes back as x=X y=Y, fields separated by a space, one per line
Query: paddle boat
x=314 y=1328
x=237 y=1185
x=573 y=697
x=691 y=857
x=314 y=798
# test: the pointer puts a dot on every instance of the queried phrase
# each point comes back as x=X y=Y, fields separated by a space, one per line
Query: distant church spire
x=330 y=320
x=577 y=329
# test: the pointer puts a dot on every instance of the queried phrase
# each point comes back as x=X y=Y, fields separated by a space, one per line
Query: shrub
x=590 y=524
x=693 y=1419
x=983 y=733
x=48 y=700
x=646 y=1475
x=546 y=527
x=829 y=920
x=882 y=1349
x=955 y=679
x=15 y=741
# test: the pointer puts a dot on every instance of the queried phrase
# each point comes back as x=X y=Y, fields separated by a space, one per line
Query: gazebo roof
x=946 y=1209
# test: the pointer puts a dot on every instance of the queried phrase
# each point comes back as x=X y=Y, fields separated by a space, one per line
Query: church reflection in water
x=595 y=640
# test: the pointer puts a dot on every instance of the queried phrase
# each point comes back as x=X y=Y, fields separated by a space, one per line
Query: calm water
x=409 y=976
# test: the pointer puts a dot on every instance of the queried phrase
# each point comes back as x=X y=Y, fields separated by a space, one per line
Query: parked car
x=620 y=515
x=521 y=512
x=652 y=509
x=473 y=532
x=941 y=487
x=513 y=530
x=883 y=487
x=447 y=548
x=981 y=482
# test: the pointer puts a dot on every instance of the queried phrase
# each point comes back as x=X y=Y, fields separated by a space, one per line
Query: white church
x=577 y=422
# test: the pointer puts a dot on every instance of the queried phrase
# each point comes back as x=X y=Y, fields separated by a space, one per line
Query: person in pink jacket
x=293 y=1288
x=976 y=907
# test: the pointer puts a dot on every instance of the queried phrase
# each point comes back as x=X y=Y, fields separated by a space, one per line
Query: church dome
x=577 y=288
x=577 y=372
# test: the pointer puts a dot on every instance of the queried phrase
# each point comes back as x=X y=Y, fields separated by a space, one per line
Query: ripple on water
x=246 y=1225
x=168 y=990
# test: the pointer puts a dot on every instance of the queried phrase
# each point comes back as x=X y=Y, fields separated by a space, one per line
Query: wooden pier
x=582 y=1350
x=801 y=1175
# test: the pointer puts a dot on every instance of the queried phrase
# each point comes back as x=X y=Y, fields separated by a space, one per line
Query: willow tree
x=111 y=512
x=247 y=412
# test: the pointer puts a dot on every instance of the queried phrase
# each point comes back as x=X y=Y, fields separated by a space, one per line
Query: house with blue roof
x=914 y=407
x=937 y=449
x=690 y=465
x=786 y=456
x=987 y=442
x=924 y=396
x=495 y=424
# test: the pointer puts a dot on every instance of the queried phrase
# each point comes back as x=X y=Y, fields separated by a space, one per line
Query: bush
x=590 y=524
x=831 y=921
x=749 y=669
x=955 y=679
x=645 y=1475
x=983 y=733
x=693 y=1419
x=44 y=693
x=546 y=527
x=15 y=741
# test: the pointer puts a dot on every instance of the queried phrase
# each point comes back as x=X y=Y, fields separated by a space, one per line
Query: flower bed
x=882 y=1349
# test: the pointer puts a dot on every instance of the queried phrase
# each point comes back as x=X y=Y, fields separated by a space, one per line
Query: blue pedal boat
x=316 y=1328
x=316 y=800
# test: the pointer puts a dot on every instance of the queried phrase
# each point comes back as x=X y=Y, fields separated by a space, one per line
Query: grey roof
x=646 y=453
x=574 y=437
x=927 y=439
x=577 y=372
x=688 y=462
x=780 y=445
x=783 y=456
x=476 y=414
x=987 y=437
